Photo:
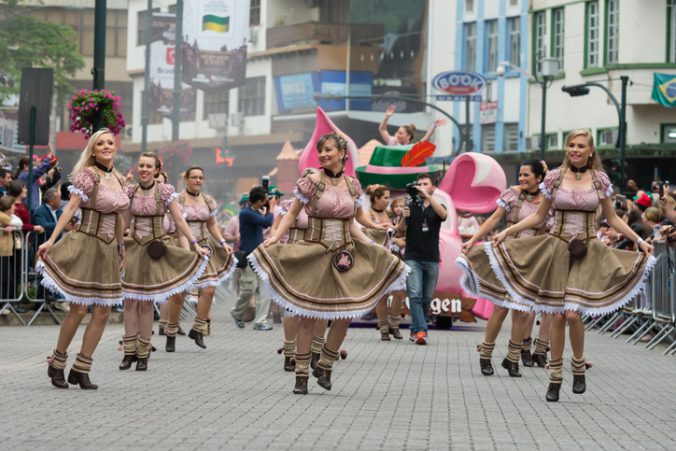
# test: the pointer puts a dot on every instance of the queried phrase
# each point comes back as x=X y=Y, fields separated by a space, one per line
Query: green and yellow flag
x=664 y=89
x=215 y=23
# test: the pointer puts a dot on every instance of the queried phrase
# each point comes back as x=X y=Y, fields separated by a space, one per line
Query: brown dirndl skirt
x=221 y=264
x=148 y=279
x=377 y=235
x=303 y=278
x=538 y=273
x=83 y=269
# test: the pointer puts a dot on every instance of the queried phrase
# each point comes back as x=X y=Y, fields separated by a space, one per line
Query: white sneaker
x=63 y=306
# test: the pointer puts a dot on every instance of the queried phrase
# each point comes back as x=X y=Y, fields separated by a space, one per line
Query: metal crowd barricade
x=33 y=290
x=20 y=282
x=653 y=312
x=663 y=279
x=11 y=278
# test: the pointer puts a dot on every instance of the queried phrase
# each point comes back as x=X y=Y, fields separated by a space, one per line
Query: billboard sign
x=214 y=47
x=459 y=83
x=295 y=92
x=488 y=112
x=162 y=64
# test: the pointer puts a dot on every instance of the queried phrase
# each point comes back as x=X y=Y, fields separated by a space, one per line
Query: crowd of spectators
x=19 y=221
x=650 y=214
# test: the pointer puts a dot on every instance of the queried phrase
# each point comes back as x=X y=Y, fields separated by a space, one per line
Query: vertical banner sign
x=162 y=62
x=214 y=48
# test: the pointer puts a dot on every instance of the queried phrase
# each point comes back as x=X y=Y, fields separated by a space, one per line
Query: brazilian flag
x=215 y=23
x=664 y=89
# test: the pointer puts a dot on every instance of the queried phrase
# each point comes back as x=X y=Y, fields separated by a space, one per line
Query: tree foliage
x=28 y=42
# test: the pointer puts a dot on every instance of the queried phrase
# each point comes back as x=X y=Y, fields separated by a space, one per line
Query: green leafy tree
x=28 y=42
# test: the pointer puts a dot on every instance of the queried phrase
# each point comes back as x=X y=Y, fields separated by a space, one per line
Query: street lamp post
x=99 y=69
x=549 y=68
x=621 y=107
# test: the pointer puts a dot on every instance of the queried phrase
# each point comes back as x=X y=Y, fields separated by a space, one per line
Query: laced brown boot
x=129 y=343
x=396 y=333
x=485 y=354
x=142 y=354
x=57 y=363
x=302 y=364
x=301 y=385
x=79 y=374
x=199 y=327
x=323 y=377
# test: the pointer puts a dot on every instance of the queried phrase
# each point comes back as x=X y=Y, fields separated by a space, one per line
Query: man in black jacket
x=423 y=218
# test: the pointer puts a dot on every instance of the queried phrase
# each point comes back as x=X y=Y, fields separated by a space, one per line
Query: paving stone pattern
x=386 y=396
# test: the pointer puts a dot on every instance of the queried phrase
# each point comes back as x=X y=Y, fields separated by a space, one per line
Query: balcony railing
x=324 y=33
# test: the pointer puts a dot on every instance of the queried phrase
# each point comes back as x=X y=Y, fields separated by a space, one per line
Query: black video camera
x=265 y=181
x=413 y=193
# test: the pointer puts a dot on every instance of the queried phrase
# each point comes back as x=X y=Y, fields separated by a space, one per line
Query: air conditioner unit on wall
x=218 y=120
x=236 y=119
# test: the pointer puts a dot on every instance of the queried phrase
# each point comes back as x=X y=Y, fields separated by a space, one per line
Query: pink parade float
x=472 y=183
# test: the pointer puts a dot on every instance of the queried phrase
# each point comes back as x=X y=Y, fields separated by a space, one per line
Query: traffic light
x=223 y=156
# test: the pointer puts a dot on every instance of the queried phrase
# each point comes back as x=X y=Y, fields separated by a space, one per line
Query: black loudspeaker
x=36 y=90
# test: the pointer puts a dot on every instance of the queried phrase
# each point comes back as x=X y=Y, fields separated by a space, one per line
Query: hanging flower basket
x=86 y=105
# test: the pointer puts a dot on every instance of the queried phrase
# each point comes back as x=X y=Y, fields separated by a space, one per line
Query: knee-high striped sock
x=527 y=342
x=317 y=344
x=171 y=330
x=486 y=350
x=163 y=324
x=383 y=326
x=578 y=366
x=59 y=360
x=327 y=358
x=82 y=364
x=393 y=321
x=200 y=325
x=303 y=364
x=556 y=371
x=513 y=351
x=540 y=347
x=143 y=348
x=289 y=348
x=130 y=344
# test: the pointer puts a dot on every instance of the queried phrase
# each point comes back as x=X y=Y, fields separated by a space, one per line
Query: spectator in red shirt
x=17 y=189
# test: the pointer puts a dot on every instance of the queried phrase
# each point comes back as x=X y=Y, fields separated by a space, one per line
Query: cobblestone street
x=395 y=395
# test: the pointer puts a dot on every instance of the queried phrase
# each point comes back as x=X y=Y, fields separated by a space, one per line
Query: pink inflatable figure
x=473 y=183
x=323 y=125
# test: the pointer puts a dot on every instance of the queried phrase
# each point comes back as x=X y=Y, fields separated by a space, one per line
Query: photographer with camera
x=423 y=216
x=252 y=221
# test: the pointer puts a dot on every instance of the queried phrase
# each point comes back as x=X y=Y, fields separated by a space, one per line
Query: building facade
x=491 y=38
x=296 y=50
x=600 y=41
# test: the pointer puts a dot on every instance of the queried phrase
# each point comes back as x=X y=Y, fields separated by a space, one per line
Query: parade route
x=387 y=396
